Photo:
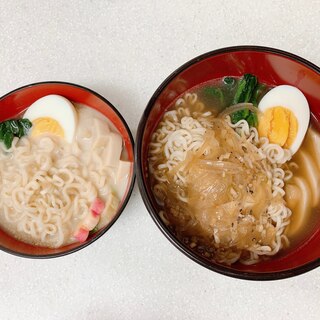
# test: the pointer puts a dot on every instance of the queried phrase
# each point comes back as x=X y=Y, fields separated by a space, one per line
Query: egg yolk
x=46 y=125
x=279 y=125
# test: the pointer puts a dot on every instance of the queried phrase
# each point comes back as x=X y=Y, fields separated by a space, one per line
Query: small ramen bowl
x=17 y=101
x=271 y=66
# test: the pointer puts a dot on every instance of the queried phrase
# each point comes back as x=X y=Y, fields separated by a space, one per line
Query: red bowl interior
x=272 y=67
x=17 y=101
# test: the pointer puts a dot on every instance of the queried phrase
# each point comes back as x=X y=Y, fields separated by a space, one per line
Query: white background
x=124 y=49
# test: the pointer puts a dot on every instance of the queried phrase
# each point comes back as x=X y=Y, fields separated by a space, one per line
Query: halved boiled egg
x=285 y=117
x=52 y=114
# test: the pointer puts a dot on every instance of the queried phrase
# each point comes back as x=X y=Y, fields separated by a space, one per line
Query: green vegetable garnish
x=258 y=93
x=7 y=139
x=2 y=130
x=212 y=92
x=13 y=128
x=229 y=81
x=239 y=115
x=252 y=119
x=26 y=124
x=245 y=88
x=244 y=93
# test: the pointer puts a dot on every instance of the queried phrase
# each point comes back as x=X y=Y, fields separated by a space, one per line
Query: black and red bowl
x=17 y=101
x=273 y=67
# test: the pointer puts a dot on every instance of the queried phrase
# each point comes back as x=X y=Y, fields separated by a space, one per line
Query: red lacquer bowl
x=273 y=67
x=18 y=100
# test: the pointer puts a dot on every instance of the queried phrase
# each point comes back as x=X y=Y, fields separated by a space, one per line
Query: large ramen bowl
x=18 y=100
x=271 y=66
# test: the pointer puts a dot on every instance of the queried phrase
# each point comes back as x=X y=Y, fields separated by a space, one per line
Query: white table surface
x=124 y=49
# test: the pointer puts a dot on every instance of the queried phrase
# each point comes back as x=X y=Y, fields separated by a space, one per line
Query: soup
x=228 y=170
x=65 y=178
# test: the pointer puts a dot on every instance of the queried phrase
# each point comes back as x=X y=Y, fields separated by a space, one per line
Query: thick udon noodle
x=48 y=185
x=208 y=175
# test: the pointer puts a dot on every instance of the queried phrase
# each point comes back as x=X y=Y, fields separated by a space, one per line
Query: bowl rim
x=125 y=202
x=143 y=190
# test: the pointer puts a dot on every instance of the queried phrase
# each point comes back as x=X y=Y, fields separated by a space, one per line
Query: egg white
x=293 y=99
x=58 y=108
